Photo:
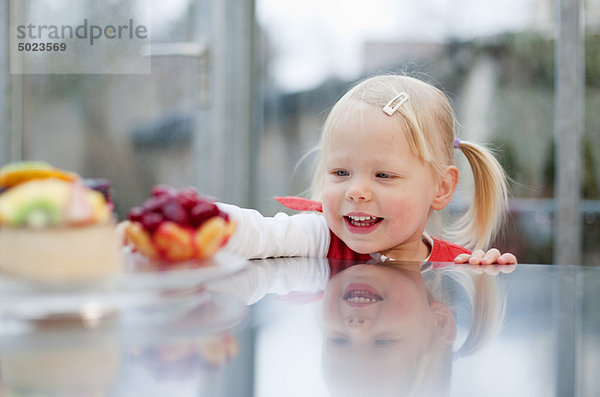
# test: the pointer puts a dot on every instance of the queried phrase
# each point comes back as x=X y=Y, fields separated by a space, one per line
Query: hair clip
x=456 y=143
x=401 y=97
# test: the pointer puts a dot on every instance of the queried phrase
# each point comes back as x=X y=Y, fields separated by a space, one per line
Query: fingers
x=491 y=257
x=462 y=258
x=507 y=259
x=477 y=257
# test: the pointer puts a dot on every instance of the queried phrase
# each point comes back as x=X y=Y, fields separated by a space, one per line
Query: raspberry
x=187 y=197
x=203 y=211
x=224 y=215
x=163 y=190
x=174 y=211
x=151 y=220
x=135 y=214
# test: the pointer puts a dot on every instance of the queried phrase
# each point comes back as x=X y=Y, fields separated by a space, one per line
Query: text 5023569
x=38 y=47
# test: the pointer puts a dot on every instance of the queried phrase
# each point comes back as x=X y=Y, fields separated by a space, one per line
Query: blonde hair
x=485 y=300
x=428 y=121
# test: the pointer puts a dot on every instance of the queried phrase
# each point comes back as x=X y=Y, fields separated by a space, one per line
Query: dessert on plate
x=177 y=225
x=54 y=227
x=67 y=369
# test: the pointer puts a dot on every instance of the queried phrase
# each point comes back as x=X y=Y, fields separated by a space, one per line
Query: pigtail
x=482 y=220
x=488 y=314
x=486 y=303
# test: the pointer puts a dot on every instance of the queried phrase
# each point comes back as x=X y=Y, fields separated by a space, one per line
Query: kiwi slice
x=37 y=213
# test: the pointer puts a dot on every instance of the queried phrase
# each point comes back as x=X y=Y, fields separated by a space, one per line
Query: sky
x=314 y=39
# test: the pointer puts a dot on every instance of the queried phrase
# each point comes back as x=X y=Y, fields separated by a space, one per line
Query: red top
x=442 y=251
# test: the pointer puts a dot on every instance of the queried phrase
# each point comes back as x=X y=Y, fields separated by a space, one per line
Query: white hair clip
x=401 y=98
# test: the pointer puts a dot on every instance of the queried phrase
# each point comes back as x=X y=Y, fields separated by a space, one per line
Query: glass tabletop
x=301 y=326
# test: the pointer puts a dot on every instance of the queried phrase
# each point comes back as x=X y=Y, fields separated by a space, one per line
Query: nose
x=359 y=191
x=357 y=323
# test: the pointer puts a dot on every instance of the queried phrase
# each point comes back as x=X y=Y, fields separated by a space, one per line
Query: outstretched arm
x=257 y=236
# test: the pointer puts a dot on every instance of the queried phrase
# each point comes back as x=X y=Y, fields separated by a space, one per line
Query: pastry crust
x=60 y=254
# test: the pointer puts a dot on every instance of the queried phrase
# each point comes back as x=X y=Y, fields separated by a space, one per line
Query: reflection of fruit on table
x=177 y=357
x=178 y=225
x=88 y=371
x=53 y=227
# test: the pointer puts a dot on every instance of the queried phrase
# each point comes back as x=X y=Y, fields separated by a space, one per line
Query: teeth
x=361 y=297
x=362 y=218
x=363 y=221
x=357 y=299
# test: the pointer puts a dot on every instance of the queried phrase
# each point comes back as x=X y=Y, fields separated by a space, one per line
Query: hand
x=493 y=256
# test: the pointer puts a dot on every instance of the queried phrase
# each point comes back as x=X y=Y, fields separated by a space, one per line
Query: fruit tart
x=177 y=225
x=53 y=227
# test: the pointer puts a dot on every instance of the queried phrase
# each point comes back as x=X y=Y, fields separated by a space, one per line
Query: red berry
x=224 y=215
x=155 y=204
x=174 y=211
x=151 y=221
x=203 y=211
x=188 y=197
x=162 y=190
x=135 y=214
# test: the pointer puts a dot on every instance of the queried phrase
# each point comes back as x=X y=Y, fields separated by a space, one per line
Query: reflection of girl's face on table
x=383 y=319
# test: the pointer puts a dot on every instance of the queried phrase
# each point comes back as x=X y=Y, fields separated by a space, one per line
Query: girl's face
x=379 y=322
x=377 y=194
x=377 y=308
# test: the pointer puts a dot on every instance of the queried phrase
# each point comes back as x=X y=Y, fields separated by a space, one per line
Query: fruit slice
x=209 y=236
x=141 y=239
x=37 y=213
x=16 y=173
x=47 y=196
x=173 y=242
x=217 y=350
x=52 y=201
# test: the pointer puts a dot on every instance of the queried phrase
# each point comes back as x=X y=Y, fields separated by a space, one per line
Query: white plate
x=141 y=273
x=143 y=285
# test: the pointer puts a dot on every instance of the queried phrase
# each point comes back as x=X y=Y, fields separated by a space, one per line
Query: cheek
x=398 y=207
x=406 y=207
x=331 y=202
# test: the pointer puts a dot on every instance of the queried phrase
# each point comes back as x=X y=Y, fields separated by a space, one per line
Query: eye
x=384 y=342
x=340 y=173
x=339 y=341
x=383 y=175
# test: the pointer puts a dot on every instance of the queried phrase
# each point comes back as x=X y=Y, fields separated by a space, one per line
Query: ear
x=446 y=188
x=444 y=320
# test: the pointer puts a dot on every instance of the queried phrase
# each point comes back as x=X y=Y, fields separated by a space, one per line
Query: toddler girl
x=386 y=164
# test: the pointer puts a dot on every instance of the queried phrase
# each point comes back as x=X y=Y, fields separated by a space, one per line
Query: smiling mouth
x=362 y=221
x=361 y=297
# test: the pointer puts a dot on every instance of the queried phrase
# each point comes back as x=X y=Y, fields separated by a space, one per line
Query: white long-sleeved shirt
x=282 y=235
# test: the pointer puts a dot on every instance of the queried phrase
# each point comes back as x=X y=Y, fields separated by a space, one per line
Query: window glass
x=136 y=130
x=495 y=61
